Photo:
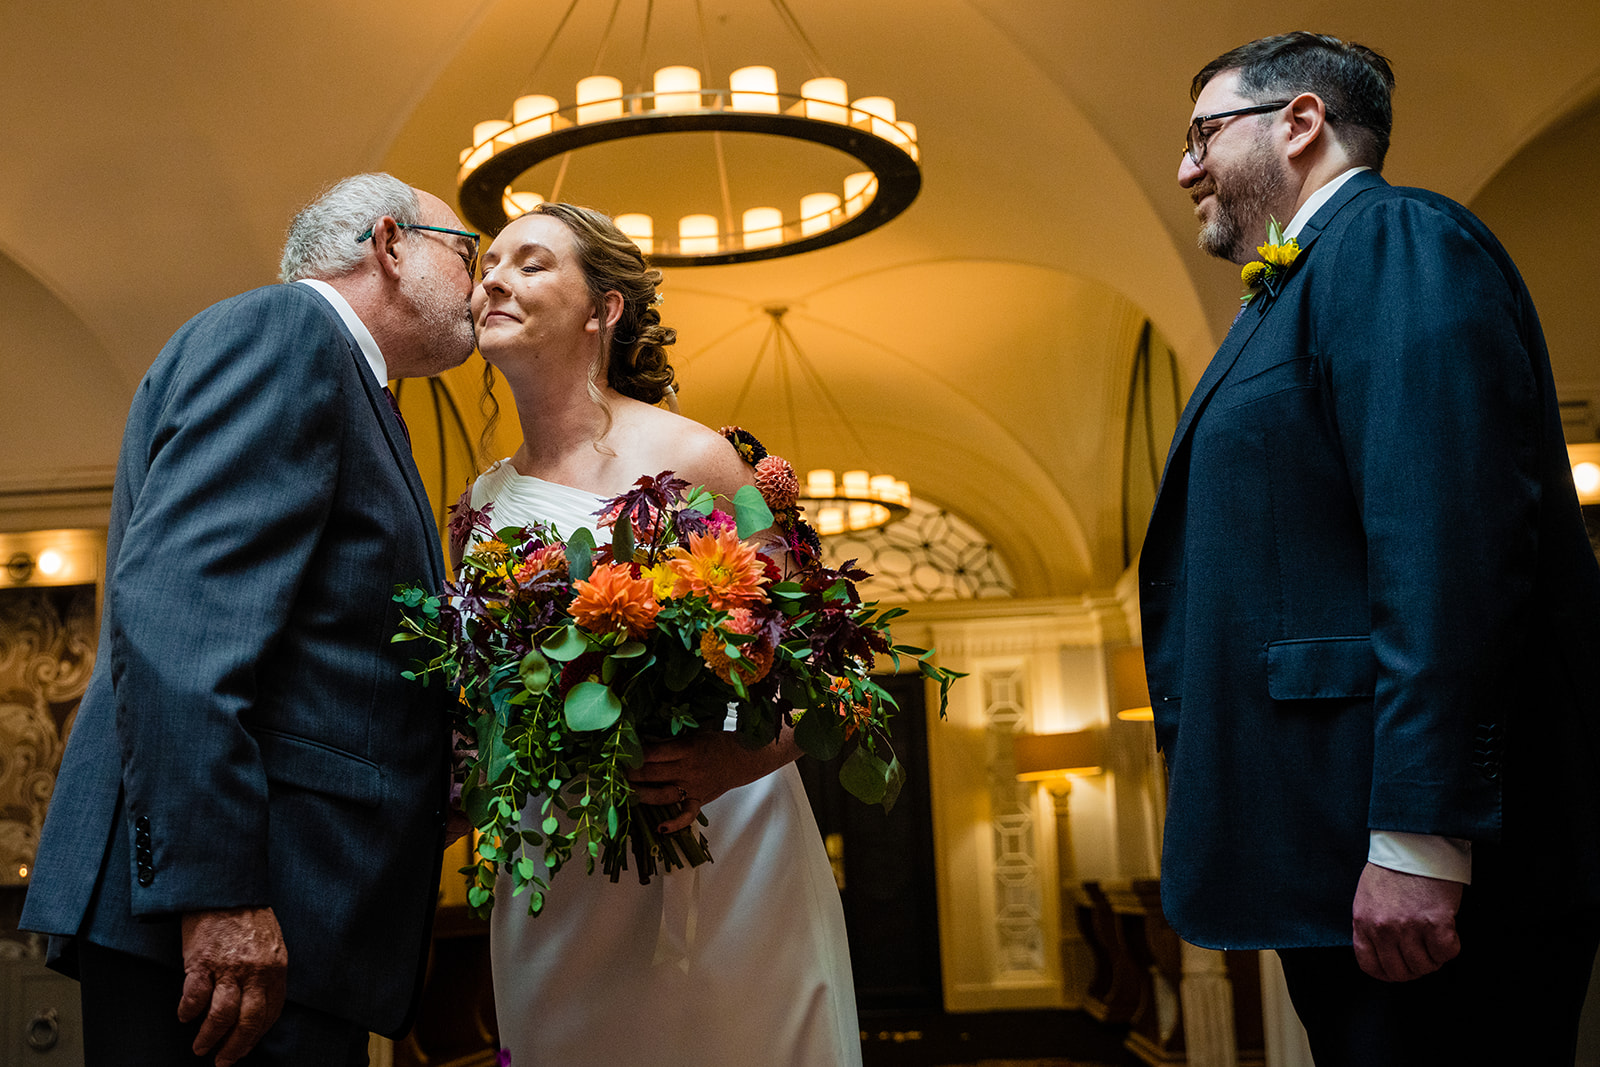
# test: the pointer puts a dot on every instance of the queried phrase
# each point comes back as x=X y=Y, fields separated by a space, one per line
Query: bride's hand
x=700 y=767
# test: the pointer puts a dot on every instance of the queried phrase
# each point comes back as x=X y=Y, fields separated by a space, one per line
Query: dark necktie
x=394 y=405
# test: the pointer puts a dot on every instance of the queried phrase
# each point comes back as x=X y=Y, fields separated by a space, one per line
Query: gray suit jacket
x=246 y=738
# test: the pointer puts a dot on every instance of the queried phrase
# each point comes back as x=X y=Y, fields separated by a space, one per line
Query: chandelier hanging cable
x=541 y=128
x=856 y=500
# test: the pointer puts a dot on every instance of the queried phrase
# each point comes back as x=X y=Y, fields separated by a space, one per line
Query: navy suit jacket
x=1367 y=594
x=247 y=738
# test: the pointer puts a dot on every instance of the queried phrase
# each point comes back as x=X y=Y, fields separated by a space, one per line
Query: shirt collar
x=352 y=321
x=1318 y=198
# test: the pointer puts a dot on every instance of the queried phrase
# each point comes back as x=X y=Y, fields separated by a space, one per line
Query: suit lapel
x=399 y=447
x=1254 y=313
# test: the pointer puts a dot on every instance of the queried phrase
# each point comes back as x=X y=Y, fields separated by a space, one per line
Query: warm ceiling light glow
x=816 y=212
x=50 y=563
x=858 y=190
x=697 y=234
x=506 y=154
x=755 y=89
x=533 y=116
x=639 y=229
x=599 y=97
x=826 y=99
x=521 y=203
x=677 y=89
x=762 y=226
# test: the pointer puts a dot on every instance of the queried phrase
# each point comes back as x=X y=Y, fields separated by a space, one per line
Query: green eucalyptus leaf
x=750 y=511
x=864 y=776
x=629 y=650
x=681 y=670
x=622 y=539
x=580 y=554
x=534 y=671
x=892 y=783
x=820 y=733
x=592 y=706
x=526 y=868
x=567 y=645
x=699 y=501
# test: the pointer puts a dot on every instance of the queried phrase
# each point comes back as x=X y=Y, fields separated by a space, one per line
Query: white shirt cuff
x=1448 y=858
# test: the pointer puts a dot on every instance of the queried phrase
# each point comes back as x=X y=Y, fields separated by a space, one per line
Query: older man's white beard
x=446 y=319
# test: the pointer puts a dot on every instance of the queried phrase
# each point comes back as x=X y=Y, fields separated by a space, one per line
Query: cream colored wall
x=1057 y=650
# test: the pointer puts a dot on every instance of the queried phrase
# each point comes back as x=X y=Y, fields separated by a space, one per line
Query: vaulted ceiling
x=981 y=343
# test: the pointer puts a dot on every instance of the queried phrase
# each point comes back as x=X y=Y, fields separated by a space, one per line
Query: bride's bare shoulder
x=696 y=453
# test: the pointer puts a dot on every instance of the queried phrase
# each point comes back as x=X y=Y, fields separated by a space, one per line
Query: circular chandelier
x=856 y=500
x=541 y=128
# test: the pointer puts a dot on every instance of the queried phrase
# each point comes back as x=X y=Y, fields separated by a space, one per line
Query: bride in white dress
x=739 y=961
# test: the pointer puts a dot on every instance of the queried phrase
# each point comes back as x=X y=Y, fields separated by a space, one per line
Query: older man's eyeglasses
x=469 y=259
x=1194 y=144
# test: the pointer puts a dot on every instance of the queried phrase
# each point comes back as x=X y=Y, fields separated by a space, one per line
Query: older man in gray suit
x=249 y=815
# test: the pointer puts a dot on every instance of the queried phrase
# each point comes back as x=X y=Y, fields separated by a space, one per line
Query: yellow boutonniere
x=1266 y=274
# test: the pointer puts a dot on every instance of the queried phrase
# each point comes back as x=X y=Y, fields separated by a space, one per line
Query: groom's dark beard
x=1239 y=218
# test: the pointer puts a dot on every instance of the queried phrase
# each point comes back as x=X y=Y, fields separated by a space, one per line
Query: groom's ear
x=1307 y=118
x=386 y=238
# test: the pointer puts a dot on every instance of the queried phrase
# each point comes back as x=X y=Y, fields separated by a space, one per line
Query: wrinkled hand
x=698 y=768
x=235 y=969
x=1404 y=924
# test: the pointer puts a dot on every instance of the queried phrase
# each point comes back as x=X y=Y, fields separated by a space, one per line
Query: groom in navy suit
x=248 y=818
x=1371 y=612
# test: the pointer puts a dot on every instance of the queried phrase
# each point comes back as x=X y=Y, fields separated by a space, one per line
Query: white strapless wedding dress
x=741 y=961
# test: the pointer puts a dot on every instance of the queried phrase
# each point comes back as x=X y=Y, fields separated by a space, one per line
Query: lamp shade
x=1130 y=693
x=1585 y=460
x=1042 y=756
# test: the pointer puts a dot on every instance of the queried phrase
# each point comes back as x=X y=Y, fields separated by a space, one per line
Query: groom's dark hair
x=1353 y=81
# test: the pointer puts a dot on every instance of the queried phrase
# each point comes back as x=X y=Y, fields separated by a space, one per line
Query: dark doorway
x=885 y=862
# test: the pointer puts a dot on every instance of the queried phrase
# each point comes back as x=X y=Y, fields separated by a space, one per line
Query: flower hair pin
x=1265 y=275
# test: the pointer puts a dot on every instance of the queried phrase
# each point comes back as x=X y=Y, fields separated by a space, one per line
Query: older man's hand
x=235 y=970
x=1404 y=924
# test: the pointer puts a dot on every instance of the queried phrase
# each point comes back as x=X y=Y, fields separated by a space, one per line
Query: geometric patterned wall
x=1018 y=894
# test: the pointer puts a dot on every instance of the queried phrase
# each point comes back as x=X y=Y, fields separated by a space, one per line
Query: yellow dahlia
x=1280 y=255
x=613 y=599
x=721 y=568
x=663 y=582
x=492 y=552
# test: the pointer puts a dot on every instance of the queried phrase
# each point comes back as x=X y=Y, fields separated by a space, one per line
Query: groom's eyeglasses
x=471 y=260
x=1194 y=143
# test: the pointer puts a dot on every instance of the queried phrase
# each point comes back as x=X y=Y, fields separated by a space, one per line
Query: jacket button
x=142 y=824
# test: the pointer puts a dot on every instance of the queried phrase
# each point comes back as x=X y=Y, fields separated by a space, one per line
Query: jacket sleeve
x=243 y=438
x=1420 y=330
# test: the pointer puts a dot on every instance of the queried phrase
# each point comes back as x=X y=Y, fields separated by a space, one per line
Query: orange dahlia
x=854 y=715
x=613 y=599
x=756 y=657
x=721 y=568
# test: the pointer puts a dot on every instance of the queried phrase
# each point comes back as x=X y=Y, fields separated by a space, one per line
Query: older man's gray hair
x=322 y=238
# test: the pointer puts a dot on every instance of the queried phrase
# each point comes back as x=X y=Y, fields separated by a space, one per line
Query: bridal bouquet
x=571 y=655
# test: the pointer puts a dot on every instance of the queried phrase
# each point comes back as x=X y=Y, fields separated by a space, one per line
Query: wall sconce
x=1585 y=460
x=1043 y=757
x=1130 y=693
